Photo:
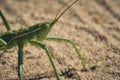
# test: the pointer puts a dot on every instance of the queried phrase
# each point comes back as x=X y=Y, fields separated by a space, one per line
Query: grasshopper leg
x=73 y=45
x=5 y=21
x=43 y=46
x=2 y=42
x=20 y=60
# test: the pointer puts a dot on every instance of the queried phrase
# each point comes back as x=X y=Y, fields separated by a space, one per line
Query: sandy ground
x=94 y=25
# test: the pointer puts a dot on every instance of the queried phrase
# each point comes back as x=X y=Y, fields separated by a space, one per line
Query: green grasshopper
x=35 y=35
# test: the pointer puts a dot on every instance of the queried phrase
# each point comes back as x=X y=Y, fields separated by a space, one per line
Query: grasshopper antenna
x=57 y=17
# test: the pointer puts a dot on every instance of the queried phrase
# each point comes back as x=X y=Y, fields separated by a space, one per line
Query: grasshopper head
x=57 y=17
x=47 y=26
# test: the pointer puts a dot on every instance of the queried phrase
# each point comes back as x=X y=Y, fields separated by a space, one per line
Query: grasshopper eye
x=47 y=25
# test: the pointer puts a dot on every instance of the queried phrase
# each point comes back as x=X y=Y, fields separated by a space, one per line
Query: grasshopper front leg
x=20 y=59
x=74 y=46
x=43 y=46
x=5 y=21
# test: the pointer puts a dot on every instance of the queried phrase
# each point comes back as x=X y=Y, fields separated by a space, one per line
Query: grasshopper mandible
x=34 y=35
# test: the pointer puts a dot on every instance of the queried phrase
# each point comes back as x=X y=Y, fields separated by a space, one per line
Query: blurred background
x=94 y=25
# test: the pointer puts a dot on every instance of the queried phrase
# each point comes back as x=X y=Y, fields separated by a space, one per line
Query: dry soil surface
x=94 y=25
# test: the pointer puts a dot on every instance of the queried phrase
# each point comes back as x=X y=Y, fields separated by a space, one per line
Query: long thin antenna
x=56 y=18
x=59 y=11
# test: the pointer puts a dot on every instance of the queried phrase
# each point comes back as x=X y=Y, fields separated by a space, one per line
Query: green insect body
x=38 y=32
x=34 y=35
